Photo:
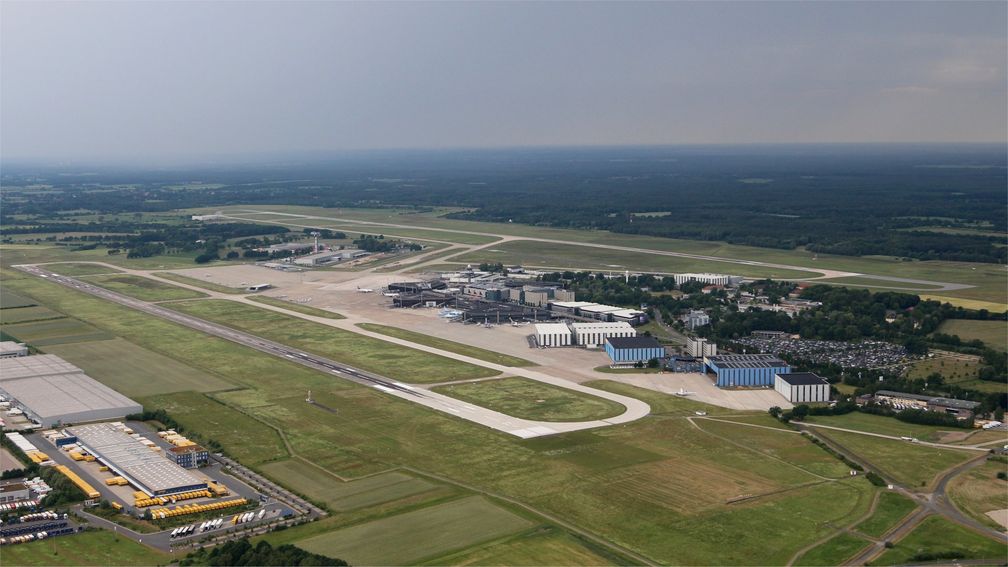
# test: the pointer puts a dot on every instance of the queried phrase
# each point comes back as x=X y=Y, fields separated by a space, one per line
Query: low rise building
x=189 y=456
x=802 y=387
x=595 y=334
x=553 y=335
x=961 y=409
x=696 y=319
x=11 y=349
x=13 y=491
x=746 y=370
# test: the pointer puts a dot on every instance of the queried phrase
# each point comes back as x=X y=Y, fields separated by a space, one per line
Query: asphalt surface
x=522 y=428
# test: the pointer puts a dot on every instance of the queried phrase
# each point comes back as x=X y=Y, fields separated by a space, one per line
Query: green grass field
x=89 y=548
x=246 y=439
x=528 y=399
x=880 y=285
x=40 y=253
x=883 y=425
x=542 y=546
x=445 y=344
x=10 y=300
x=141 y=288
x=892 y=507
x=342 y=496
x=81 y=269
x=952 y=370
x=199 y=283
x=937 y=535
x=781 y=444
x=833 y=552
x=993 y=333
x=414 y=536
x=55 y=332
x=393 y=361
x=913 y=465
x=980 y=491
x=26 y=314
x=134 y=370
x=291 y=306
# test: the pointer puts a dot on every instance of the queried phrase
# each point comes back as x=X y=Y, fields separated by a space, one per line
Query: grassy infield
x=663 y=483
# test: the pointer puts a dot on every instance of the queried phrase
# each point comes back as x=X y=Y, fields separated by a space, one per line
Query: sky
x=143 y=80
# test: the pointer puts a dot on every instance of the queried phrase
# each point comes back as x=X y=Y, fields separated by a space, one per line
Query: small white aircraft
x=682 y=392
x=391 y=294
x=364 y=290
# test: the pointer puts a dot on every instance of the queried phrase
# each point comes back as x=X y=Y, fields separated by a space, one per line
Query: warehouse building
x=746 y=369
x=961 y=409
x=52 y=391
x=631 y=350
x=129 y=458
x=11 y=349
x=553 y=335
x=802 y=387
x=13 y=492
x=595 y=334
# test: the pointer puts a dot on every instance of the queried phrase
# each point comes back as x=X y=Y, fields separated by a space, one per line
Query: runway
x=522 y=428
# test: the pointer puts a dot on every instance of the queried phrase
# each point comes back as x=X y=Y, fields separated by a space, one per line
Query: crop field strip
x=27 y=314
x=342 y=496
x=419 y=534
x=55 y=332
x=541 y=546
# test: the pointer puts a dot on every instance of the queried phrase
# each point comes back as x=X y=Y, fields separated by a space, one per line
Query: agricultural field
x=134 y=370
x=936 y=535
x=247 y=440
x=89 y=548
x=980 y=491
x=26 y=314
x=447 y=345
x=892 y=507
x=910 y=464
x=419 y=534
x=993 y=333
x=74 y=269
x=528 y=399
x=55 y=332
x=10 y=300
x=785 y=445
x=144 y=289
x=542 y=546
x=291 y=306
x=833 y=552
x=393 y=361
x=211 y=286
x=340 y=495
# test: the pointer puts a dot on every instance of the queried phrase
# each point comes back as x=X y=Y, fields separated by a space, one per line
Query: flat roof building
x=553 y=335
x=746 y=369
x=802 y=387
x=595 y=333
x=631 y=350
x=11 y=349
x=145 y=469
x=13 y=491
x=52 y=391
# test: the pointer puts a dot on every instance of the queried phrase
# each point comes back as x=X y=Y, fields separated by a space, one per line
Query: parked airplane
x=364 y=289
x=682 y=392
x=390 y=294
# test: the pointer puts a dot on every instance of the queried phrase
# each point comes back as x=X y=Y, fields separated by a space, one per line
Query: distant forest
x=926 y=202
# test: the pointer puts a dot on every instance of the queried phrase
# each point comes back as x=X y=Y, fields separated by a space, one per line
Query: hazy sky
x=140 y=79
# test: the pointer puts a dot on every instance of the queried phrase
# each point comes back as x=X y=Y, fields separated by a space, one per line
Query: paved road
x=826 y=273
x=635 y=409
x=895 y=438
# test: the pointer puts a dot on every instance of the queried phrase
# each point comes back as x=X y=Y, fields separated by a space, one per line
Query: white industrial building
x=11 y=349
x=595 y=334
x=802 y=387
x=695 y=319
x=52 y=391
x=699 y=348
x=711 y=279
x=553 y=335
